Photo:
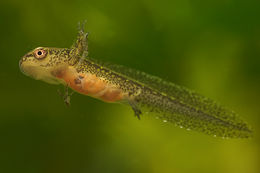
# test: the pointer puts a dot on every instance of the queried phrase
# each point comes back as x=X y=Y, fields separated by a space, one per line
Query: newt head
x=45 y=63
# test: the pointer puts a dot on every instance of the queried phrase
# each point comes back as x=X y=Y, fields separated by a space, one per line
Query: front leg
x=66 y=95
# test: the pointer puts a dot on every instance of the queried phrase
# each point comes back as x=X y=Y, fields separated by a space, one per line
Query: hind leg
x=135 y=108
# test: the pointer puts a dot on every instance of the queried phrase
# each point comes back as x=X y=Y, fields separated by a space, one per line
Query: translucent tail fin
x=207 y=117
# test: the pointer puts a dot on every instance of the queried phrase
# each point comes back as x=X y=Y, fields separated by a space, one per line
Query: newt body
x=112 y=83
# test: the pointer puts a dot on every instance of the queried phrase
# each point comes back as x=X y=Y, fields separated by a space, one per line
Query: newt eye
x=39 y=54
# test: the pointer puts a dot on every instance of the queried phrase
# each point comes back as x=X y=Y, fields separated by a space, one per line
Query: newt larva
x=183 y=107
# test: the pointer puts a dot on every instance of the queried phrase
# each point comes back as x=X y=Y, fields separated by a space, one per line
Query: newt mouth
x=20 y=65
x=27 y=70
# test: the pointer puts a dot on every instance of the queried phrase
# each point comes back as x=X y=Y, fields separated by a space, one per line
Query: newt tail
x=113 y=83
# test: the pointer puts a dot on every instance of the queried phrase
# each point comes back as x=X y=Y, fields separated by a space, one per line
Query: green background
x=212 y=47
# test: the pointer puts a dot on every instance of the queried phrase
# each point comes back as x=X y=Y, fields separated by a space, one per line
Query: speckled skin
x=72 y=67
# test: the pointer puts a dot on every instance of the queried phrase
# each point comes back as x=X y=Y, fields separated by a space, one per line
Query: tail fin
x=207 y=117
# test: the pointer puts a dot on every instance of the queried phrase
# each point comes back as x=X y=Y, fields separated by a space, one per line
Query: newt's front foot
x=66 y=95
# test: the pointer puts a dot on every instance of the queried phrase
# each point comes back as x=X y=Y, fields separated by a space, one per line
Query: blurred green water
x=210 y=46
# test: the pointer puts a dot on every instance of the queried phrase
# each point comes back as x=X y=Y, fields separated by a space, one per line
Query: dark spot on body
x=50 y=52
x=58 y=73
x=77 y=81
x=130 y=93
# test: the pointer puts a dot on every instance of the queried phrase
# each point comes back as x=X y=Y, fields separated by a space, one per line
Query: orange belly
x=90 y=84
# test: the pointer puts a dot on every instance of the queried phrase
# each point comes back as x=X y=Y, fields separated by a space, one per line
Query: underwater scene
x=130 y=86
